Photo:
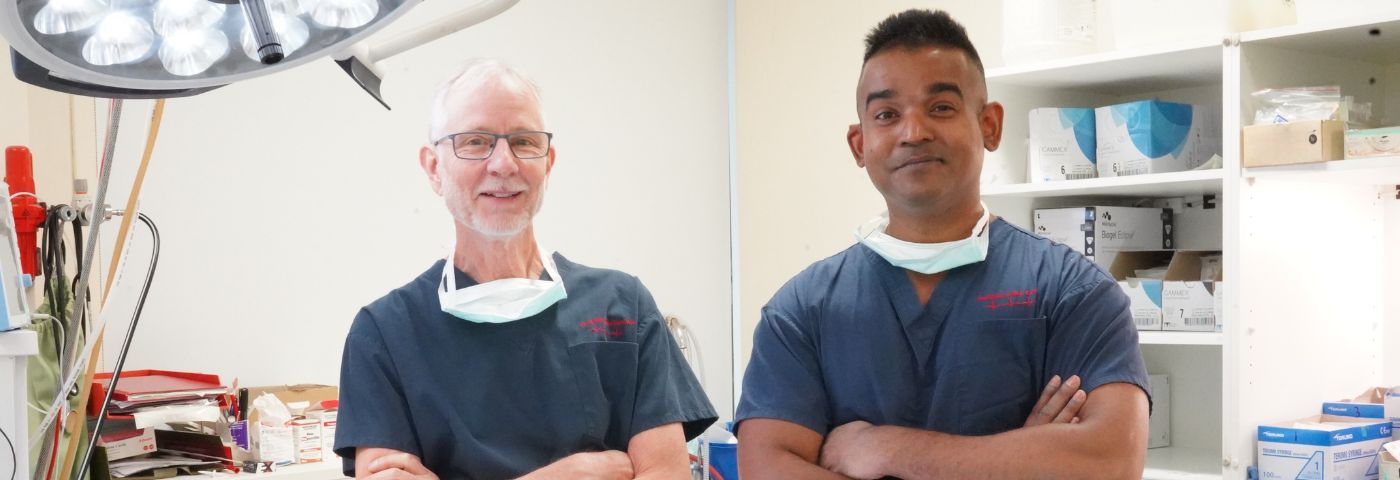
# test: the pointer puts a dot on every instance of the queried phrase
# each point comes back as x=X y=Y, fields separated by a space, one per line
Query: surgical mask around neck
x=926 y=258
x=504 y=300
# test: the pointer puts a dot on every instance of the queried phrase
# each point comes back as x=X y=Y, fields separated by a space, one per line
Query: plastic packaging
x=1035 y=30
x=1284 y=105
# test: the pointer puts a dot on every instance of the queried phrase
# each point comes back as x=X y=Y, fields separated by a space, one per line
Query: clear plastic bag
x=1283 y=105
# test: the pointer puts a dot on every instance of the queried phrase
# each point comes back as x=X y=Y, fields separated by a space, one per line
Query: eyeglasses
x=480 y=145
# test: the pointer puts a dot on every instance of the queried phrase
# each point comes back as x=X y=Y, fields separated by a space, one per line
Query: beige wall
x=800 y=193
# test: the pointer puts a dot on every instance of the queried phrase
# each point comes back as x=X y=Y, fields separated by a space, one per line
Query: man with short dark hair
x=918 y=352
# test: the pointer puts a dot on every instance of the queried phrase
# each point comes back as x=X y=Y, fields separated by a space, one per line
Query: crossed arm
x=657 y=453
x=1108 y=439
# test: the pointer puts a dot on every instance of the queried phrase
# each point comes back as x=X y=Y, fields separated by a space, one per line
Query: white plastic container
x=1037 y=30
x=1148 y=23
x=1137 y=24
x=1314 y=11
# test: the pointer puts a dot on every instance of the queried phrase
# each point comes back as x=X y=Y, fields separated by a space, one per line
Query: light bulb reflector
x=120 y=38
x=342 y=13
x=191 y=52
x=63 y=16
x=172 y=16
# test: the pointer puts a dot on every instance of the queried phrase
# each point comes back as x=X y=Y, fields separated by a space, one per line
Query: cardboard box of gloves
x=1172 y=291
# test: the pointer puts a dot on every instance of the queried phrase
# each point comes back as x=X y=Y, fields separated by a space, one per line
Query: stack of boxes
x=1345 y=442
x=307 y=437
x=1184 y=294
x=1134 y=138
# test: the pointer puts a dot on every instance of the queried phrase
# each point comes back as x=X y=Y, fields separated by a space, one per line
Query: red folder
x=153 y=385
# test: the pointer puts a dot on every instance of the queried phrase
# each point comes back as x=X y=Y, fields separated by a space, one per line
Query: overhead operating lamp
x=176 y=48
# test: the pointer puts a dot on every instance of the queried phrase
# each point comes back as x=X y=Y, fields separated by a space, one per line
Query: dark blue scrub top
x=488 y=401
x=847 y=340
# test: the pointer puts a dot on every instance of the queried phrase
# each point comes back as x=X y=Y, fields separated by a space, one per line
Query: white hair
x=476 y=73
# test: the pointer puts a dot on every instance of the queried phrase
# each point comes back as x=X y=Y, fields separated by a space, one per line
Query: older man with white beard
x=504 y=360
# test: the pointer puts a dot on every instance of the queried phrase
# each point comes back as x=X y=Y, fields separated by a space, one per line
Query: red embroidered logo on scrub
x=612 y=327
x=1011 y=299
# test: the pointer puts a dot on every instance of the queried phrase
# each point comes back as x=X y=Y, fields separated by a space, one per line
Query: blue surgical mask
x=504 y=300
x=926 y=258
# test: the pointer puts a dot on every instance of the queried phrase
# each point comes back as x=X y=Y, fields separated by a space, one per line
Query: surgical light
x=174 y=48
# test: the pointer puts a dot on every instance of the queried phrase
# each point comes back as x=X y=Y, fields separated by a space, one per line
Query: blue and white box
x=1322 y=447
x=1378 y=403
x=1152 y=136
x=1063 y=144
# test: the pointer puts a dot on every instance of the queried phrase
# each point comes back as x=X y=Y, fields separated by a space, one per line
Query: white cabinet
x=15 y=348
x=1311 y=252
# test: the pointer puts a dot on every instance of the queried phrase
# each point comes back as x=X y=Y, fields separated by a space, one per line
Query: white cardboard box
x=1062 y=144
x=1379 y=142
x=306 y=435
x=1144 y=295
x=1152 y=136
x=1159 y=425
x=1392 y=411
x=1100 y=232
x=128 y=444
x=1390 y=467
x=275 y=444
x=1188 y=302
x=1322 y=447
x=328 y=420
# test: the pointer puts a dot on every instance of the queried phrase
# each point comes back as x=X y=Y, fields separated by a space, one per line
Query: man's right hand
x=1059 y=403
x=609 y=465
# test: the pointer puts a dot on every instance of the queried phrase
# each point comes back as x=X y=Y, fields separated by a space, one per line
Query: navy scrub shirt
x=847 y=340
x=489 y=401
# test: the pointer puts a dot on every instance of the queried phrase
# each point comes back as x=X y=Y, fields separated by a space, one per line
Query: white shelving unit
x=1311 y=306
x=1181 y=338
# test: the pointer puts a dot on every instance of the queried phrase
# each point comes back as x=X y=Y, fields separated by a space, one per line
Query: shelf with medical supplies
x=1302 y=228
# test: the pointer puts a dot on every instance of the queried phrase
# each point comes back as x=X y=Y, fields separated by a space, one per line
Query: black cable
x=126 y=343
x=14 y=470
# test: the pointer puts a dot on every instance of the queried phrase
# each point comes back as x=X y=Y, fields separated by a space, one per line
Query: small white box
x=306 y=433
x=328 y=420
x=275 y=444
x=128 y=444
x=1152 y=136
x=1322 y=447
x=1188 y=301
x=1390 y=468
x=1392 y=411
x=1062 y=144
x=1159 y=425
x=1379 y=142
x=1100 y=232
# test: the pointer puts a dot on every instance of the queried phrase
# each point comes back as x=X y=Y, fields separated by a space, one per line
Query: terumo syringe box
x=1322 y=447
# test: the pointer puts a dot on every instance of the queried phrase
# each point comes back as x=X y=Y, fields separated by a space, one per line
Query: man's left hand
x=399 y=466
x=851 y=450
